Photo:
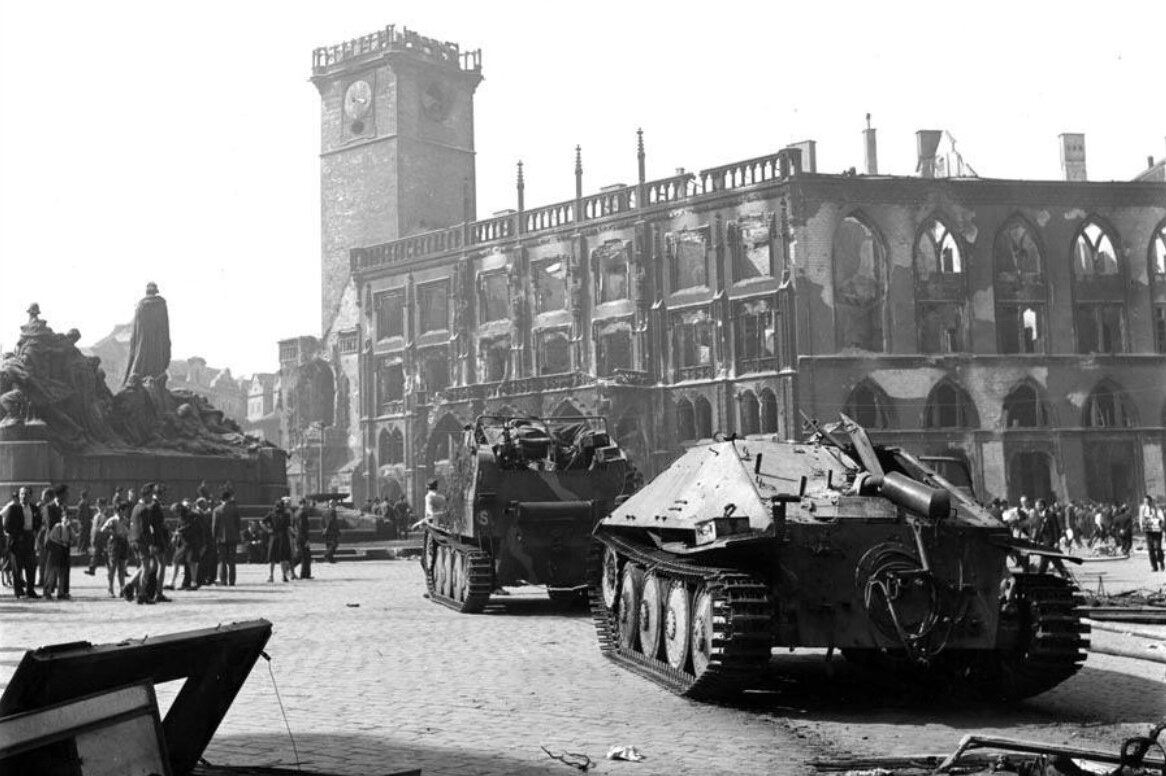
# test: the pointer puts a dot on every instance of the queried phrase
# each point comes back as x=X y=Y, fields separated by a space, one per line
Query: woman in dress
x=278 y=523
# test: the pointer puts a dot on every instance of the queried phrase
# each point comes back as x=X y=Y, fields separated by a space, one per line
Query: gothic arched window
x=1094 y=254
x=937 y=251
x=949 y=406
x=1024 y=409
x=750 y=413
x=685 y=421
x=868 y=406
x=859 y=291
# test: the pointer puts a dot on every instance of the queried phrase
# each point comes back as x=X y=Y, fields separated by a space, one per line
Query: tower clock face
x=357 y=99
x=435 y=102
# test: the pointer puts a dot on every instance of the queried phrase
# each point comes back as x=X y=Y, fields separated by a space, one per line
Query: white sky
x=178 y=142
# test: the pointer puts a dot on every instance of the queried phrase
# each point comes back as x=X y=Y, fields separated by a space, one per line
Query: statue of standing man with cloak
x=150 y=341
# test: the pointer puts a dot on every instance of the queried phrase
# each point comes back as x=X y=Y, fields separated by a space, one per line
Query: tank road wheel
x=702 y=631
x=651 y=610
x=631 y=585
x=1051 y=639
x=461 y=576
x=677 y=622
x=441 y=571
x=610 y=581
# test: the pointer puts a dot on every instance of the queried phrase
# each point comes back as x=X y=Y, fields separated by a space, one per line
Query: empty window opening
x=1024 y=409
x=941 y=328
x=704 y=417
x=858 y=286
x=1016 y=251
x=613 y=349
x=433 y=306
x=390 y=382
x=752 y=249
x=937 y=251
x=1093 y=253
x=1158 y=253
x=550 y=285
x=949 y=407
x=611 y=276
x=685 y=420
x=750 y=413
x=868 y=407
x=756 y=337
x=555 y=354
x=390 y=314
x=1100 y=328
x=768 y=411
x=1107 y=407
x=689 y=259
x=495 y=301
x=495 y=359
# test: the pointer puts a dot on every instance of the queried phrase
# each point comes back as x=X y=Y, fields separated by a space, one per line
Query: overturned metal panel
x=214 y=662
x=113 y=732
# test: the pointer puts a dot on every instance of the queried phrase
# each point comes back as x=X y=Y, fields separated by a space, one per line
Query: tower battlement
x=390 y=39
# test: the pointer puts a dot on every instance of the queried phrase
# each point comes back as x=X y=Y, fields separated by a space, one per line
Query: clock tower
x=397 y=147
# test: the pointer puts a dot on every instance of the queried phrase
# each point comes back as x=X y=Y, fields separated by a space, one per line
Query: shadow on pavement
x=529 y=606
x=805 y=687
x=362 y=754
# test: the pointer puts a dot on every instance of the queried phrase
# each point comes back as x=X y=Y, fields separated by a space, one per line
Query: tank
x=748 y=545
x=522 y=498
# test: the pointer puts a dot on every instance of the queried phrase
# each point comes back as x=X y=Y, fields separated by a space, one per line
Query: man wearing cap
x=225 y=526
x=22 y=521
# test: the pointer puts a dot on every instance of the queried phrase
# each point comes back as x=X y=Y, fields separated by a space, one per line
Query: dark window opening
x=1024 y=409
x=550 y=285
x=390 y=383
x=495 y=359
x=1016 y=251
x=1160 y=328
x=1028 y=475
x=693 y=340
x=752 y=249
x=1020 y=328
x=613 y=350
x=756 y=343
x=750 y=413
x=941 y=328
x=704 y=417
x=495 y=297
x=1106 y=407
x=768 y=411
x=685 y=421
x=689 y=260
x=858 y=286
x=1158 y=253
x=611 y=276
x=390 y=447
x=867 y=407
x=435 y=371
x=949 y=407
x=390 y=314
x=433 y=307
x=556 y=354
x=1100 y=328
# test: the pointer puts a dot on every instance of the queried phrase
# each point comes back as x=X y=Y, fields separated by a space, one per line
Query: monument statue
x=150 y=341
x=50 y=390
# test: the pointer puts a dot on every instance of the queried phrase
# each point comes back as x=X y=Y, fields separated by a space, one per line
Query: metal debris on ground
x=629 y=753
x=576 y=760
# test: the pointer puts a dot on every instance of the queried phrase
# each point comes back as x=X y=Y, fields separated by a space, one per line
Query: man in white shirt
x=1151 y=518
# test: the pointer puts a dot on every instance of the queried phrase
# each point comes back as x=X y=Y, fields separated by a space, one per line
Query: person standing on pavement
x=85 y=521
x=225 y=527
x=331 y=532
x=22 y=523
x=98 y=539
x=115 y=529
x=144 y=586
x=303 y=540
x=187 y=541
x=434 y=503
x=42 y=536
x=1151 y=519
x=58 y=543
x=208 y=567
x=278 y=523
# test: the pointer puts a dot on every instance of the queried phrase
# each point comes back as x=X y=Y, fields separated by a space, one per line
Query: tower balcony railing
x=392 y=39
x=700 y=372
x=549 y=217
x=740 y=174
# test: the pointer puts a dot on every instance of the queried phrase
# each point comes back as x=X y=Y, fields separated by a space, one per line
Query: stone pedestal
x=258 y=479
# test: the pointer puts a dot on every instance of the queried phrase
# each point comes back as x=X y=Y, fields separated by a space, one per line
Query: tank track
x=1053 y=637
x=742 y=614
x=481 y=574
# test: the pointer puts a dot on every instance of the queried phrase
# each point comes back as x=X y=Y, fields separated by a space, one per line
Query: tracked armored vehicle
x=522 y=498
x=746 y=545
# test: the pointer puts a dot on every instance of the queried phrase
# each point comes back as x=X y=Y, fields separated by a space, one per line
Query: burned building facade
x=1017 y=325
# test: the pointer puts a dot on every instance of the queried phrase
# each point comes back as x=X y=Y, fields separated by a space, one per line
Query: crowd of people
x=200 y=541
x=398 y=515
x=1087 y=525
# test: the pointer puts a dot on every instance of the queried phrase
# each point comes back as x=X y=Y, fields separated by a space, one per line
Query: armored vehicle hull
x=522 y=499
x=748 y=545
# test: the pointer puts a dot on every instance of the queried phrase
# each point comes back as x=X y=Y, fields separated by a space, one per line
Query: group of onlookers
x=1083 y=524
x=200 y=541
x=398 y=515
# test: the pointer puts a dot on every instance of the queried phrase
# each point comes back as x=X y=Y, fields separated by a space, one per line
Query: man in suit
x=145 y=545
x=225 y=526
x=303 y=545
x=22 y=522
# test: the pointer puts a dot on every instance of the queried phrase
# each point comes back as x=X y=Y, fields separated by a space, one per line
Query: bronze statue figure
x=150 y=341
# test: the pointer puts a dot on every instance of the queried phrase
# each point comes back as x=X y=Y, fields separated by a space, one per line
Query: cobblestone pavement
x=376 y=679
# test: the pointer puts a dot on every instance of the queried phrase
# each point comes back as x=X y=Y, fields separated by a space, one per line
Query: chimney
x=1073 y=156
x=927 y=142
x=872 y=149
